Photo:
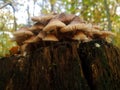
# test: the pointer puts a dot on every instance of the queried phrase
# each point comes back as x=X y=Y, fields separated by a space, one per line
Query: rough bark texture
x=101 y=65
x=63 y=66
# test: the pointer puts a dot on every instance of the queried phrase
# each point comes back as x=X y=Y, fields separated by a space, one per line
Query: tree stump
x=67 y=65
x=101 y=65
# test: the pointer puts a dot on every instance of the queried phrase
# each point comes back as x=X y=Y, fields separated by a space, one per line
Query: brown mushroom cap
x=76 y=24
x=97 y=27
x=36 y=28
x=41 y=34
x=50 y=37
x=37 y=25
x=80 y=36
x=25 y=28
x=95 y=31
x=107 y=34
x=66 y=18
x=43 y=19
x=21 y=33
x=19 y=41
x=74 y=27
x=53 y=25
x=33 y=39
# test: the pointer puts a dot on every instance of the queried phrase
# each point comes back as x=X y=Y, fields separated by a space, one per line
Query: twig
x=5 y=5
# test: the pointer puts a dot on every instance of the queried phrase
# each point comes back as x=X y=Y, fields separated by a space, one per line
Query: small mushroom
x=50 y=37
x=21 y=33
x=18 y=41
x=41 y=34
x=43 y=19
x=66 y=18
x=107 y=34
x=36 y=28
x=23 y=28
x=80 y=36
x=53 y=25
x=97 y=27
x=93 y=33
x=76 y=24
x=33 y=39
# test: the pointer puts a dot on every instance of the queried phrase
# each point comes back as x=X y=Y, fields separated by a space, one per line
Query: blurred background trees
x=18 y=13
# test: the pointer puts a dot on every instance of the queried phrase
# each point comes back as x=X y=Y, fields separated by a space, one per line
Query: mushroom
x=76 y=24
x=94 y=33
x=41 y=34
x=66 y=18
x=50 y=37
x=59 y=27
x=54 y=25
x=18 y=40
x=33 y=39
x=107 y=34
x=43 y=19
x=36 y=28
x=23 y=49
x=21 y=35
x=24 y=31
x=80 y=36
x=97 y=27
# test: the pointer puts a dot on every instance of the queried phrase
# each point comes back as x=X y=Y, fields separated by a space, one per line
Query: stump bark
x=66 y=65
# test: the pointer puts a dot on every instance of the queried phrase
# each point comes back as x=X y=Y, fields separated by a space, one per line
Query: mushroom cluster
x=59 y=27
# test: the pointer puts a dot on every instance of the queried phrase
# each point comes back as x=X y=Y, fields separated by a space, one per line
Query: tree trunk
x=66 y=66
x=101 y=65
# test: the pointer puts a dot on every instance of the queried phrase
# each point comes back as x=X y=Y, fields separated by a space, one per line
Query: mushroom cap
x=41 y=34
x=53 y=25
x=95 y=31
x=107 y=34
x=74 y=27
x=19 y=36
x=37 y=26
x=77 y=19
x=66 y=18
x=43 y=19
x=23 y=28
x=97 y=27
x=50 y=37
x=33 y=39
x=19 y=40
x=76 y=24
x=21 y=33
x=80 y=36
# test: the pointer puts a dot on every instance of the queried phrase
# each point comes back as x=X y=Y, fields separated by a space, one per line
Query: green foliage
x=5 y=44
x=52 y=2
x=6 y=29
